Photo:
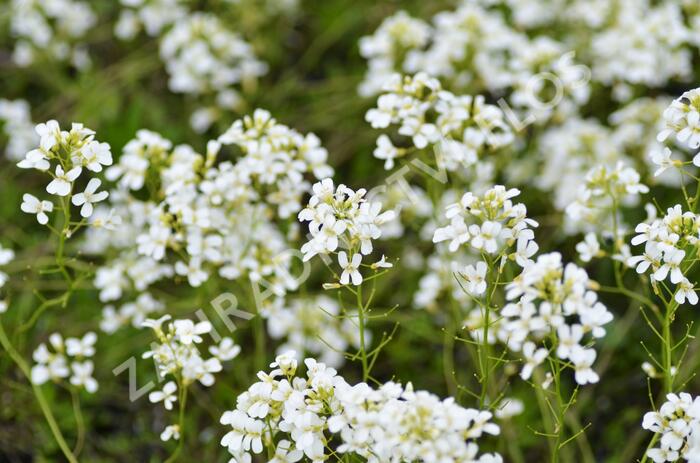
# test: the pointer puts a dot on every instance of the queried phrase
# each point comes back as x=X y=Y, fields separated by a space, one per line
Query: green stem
x=181 y=424
x=485 y=349
x=545 y=409
x=651 y=444
x=667 y=348
x=80 y=423
x=560 y=414
x=361 y=323
x=448 y=361
x=60 y=260
x=43 y=404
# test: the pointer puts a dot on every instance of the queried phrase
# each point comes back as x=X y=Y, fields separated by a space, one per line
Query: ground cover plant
x=355 y=231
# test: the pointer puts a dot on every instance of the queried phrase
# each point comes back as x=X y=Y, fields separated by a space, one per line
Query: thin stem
x=181 y=423
x=667 y=348
x=46 y=410
x=448 y=361
x=651 y=444
x=561 y=410
x=545 y=408
x=361 y=323
x=485 y=349
x=80 y=423
x=60 y=260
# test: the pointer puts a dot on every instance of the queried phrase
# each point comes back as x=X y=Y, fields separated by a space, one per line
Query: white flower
x=89 y=197
x=82 y=376
x=94 y=155
x=589 y=247
x=685 y=291
x=662 y=158
x=525 y=249
x=381 y=263
x=672 y=261
x=49 y=365
x=386 y=150
x=84 y=347
x=189 y=332
x=156 y=324
x=533 y=357
x=62 y=184
x=476 y=278
x=690 y=134
x=32 y=205
x=508 y=408
x=6 y=256
x=583 y=360
x=193 y=271
x=167 y=395
x=170 y=432
x=226 y=350
x=286 y=362
x=568 y=338
x=350 y=268
x=35 y=159
x=50 y=134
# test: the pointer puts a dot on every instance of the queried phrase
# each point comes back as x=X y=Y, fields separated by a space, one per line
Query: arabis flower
x=84 y=347
x=167 y=395
x=189 y=332
x=35 y=159
x=82 y=375
x=32 y=205
x=350 y=268
x=476 y=278
x=63 y=182
x=89 y=197
x=50 y=133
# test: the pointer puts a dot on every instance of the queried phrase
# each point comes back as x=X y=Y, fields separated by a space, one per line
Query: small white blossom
x=32 y=205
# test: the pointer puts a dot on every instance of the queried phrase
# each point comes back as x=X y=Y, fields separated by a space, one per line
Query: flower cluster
x=667 y=241
x=678 y=424
x=461 y=128
x=491 y=224
x=275 y=157
x=70 y=152
x=473 y=47
x=204 y=58
x=553 y=311
x=682 y=119
x=54 y=366
x=476 y=45
x=299 y=416
x=568 y=152
x=52 y=28
x=177 y=355
x=341 y=217
x=153 y=16
x=177 y=352
x=205 y=214
x=646 y=43
x=383 y=50
x=605 y=190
